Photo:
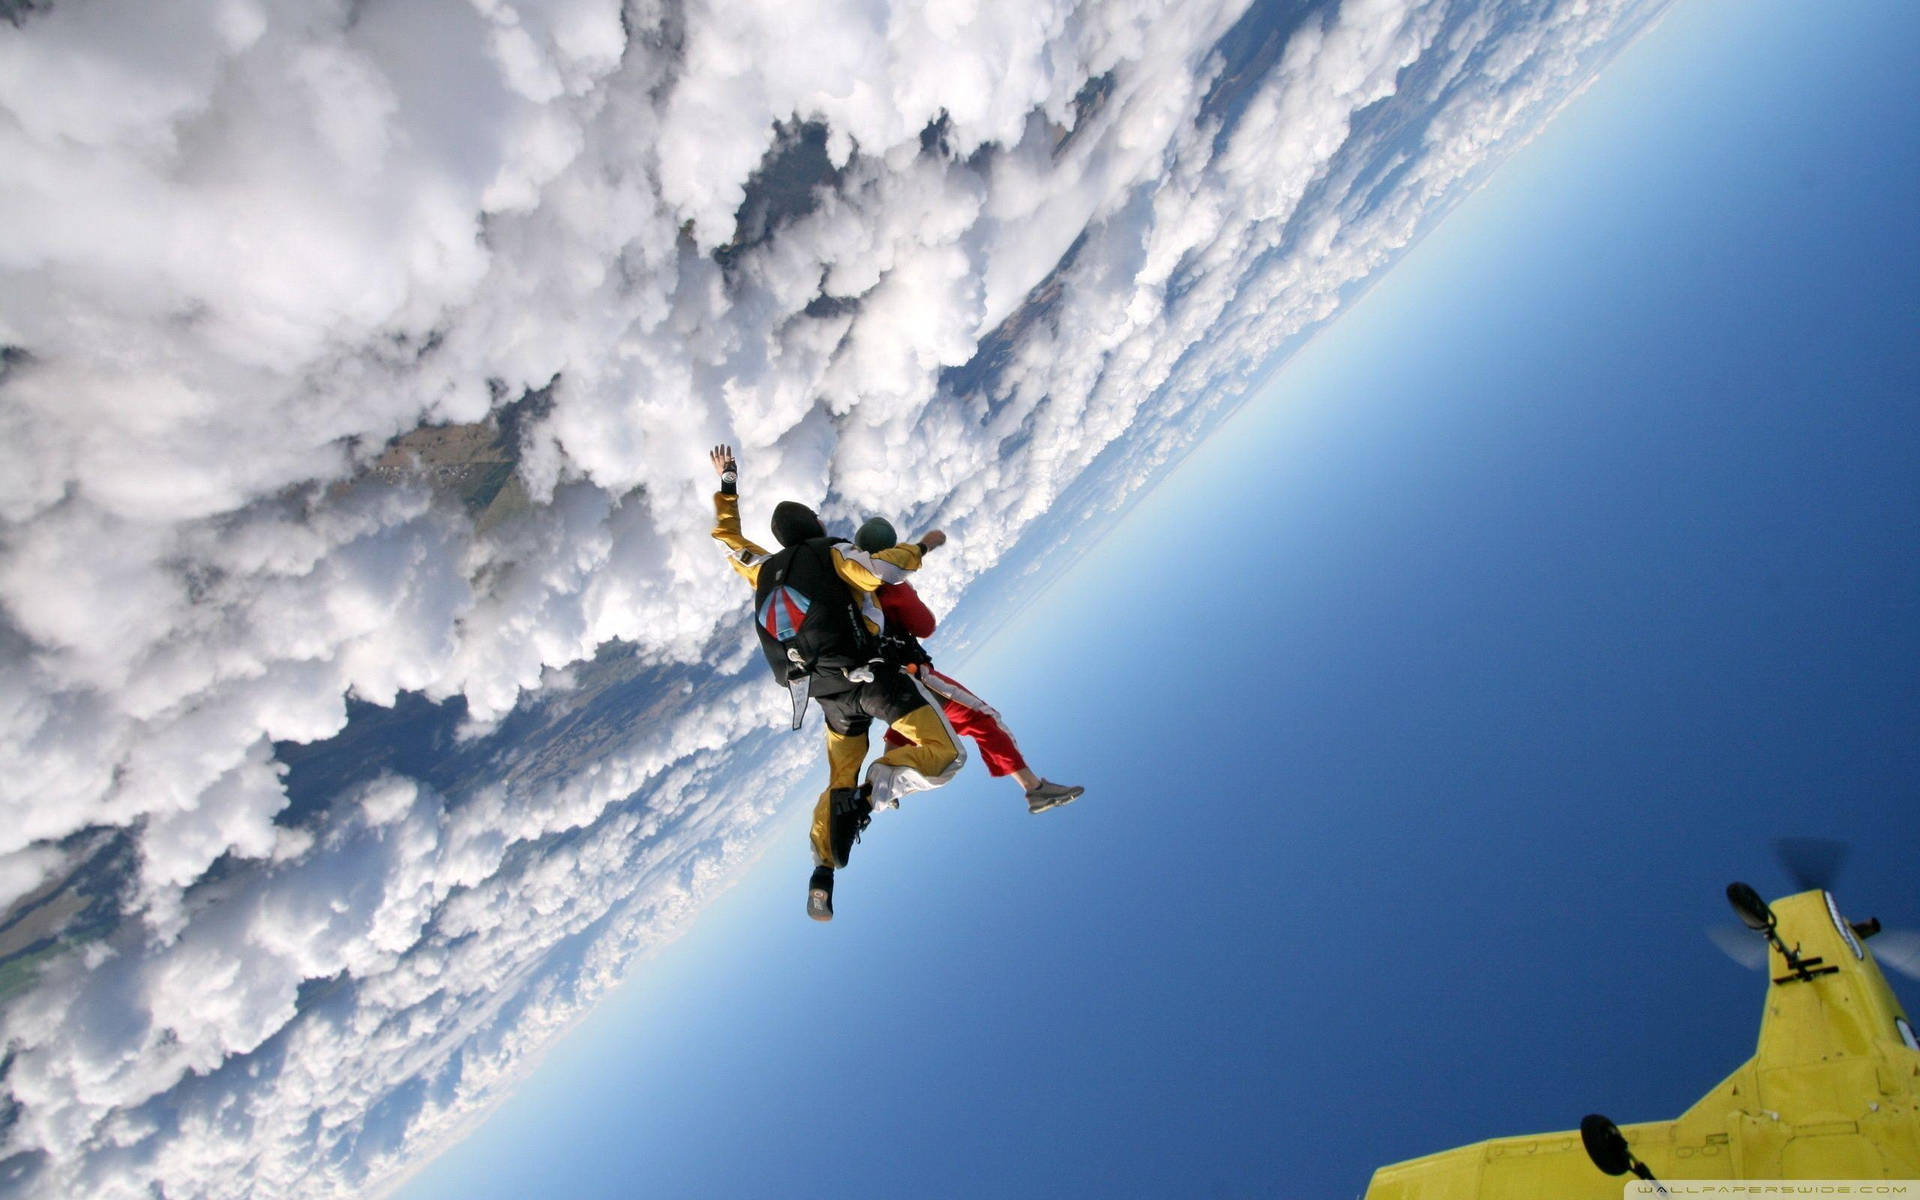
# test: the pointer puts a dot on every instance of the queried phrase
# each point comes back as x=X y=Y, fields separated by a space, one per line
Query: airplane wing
x=1516 y=1168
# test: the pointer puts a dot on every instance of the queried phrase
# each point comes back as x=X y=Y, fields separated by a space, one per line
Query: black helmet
x=794 y=522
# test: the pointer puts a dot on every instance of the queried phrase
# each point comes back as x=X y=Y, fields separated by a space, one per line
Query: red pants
x=972 y=717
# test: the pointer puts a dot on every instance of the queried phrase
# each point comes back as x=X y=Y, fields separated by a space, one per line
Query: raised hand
x=721 y=457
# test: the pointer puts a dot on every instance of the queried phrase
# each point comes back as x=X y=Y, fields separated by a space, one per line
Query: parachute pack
x=809 y=625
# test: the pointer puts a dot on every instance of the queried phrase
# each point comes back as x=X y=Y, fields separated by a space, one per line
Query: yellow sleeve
x=866 y=572
x=907 y=556
x=742 y=555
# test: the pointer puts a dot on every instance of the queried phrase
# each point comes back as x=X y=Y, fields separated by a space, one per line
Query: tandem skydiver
x=819 y=627
x=909 y=620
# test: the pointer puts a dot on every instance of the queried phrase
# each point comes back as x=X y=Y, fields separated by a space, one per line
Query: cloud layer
x=935 y=262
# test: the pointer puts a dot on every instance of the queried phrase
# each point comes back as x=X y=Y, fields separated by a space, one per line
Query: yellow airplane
x=1832 y=1092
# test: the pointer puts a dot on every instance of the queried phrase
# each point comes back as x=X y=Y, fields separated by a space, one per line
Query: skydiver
x=907 y=621
x=830 y=656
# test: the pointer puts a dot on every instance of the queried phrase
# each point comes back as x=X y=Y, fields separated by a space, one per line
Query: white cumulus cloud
x=975 y=265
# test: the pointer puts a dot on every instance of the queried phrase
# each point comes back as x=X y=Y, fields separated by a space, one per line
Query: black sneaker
x=850 y=811
x=820 y=894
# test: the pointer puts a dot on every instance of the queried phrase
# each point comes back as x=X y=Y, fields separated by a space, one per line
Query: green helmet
x=876 y=535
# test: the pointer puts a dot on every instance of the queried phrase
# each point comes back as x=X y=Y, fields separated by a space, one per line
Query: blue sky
x=1424 y=712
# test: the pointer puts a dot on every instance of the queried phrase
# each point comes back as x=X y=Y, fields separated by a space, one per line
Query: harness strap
x=800 y=686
